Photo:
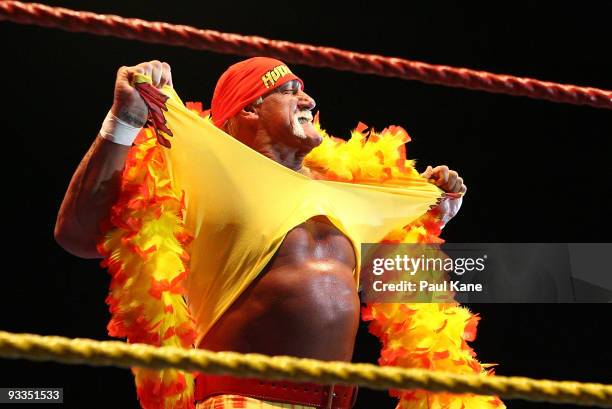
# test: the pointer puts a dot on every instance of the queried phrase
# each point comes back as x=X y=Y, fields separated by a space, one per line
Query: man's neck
x=288 y=156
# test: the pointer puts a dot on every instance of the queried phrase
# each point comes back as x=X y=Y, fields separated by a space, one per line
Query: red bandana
x=244 y=82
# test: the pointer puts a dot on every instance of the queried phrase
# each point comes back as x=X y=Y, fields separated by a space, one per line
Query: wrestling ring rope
x=121 y=354
x=117 y=353
x=186 y=36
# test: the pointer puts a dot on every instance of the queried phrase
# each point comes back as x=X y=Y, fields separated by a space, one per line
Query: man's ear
x=249 y=112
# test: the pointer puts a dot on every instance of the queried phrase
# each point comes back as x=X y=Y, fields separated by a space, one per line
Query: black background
x=536 y=171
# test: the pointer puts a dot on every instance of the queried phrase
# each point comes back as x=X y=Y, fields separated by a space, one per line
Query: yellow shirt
x=240 y=205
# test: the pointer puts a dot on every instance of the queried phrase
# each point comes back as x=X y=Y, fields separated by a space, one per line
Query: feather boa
x=146 y=252
x=415 y=335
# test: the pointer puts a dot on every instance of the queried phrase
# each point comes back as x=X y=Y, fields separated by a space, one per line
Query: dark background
x=537 y=171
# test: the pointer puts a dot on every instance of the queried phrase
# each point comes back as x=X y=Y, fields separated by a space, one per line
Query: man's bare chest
x=317 y=239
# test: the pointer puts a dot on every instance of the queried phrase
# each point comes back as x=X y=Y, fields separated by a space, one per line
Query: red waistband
x=297 y=393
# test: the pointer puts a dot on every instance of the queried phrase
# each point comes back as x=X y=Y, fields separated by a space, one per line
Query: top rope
x=186 y=36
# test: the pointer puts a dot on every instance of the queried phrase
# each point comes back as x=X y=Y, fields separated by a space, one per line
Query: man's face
x=286 y=115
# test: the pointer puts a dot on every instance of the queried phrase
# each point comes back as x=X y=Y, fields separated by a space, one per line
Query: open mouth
x=303 y=126
x=304 y=117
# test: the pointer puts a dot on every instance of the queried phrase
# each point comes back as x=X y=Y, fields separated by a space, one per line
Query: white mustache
x=297 y=126
x=305 y=115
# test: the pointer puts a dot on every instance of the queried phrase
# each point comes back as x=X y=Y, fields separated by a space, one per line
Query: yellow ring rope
x=117 y=353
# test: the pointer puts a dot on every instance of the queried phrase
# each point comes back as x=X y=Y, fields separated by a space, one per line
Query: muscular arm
x=92 y=191
x=95 y=184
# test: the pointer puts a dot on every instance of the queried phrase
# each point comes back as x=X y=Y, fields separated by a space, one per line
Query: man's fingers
x=156 y=72
x=159 y=72
x=166 y=77
x=145 y=68
x=441 y=175
x=458 y=185
x=452 y=179
x=449 y=186
x=124 y=74
x=448 y=180
x=428 y=172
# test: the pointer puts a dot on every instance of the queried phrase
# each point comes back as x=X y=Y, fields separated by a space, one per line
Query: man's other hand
x=446 y=179
x=449 y=181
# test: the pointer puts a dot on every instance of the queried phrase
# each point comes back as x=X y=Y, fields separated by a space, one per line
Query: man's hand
x=449 y=181
x=128 y=105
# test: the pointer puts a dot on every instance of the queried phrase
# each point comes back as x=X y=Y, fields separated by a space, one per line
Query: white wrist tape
x=118 y=131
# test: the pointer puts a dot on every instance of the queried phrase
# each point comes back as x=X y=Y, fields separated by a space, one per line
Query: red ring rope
x=186 y=36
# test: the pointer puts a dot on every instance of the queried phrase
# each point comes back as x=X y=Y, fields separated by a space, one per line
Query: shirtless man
x=308 y=288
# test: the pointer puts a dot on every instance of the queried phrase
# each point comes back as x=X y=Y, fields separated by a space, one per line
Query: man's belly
x=304 y=303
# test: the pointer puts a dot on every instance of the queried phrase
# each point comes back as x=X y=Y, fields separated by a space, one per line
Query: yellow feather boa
x=146 y=252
